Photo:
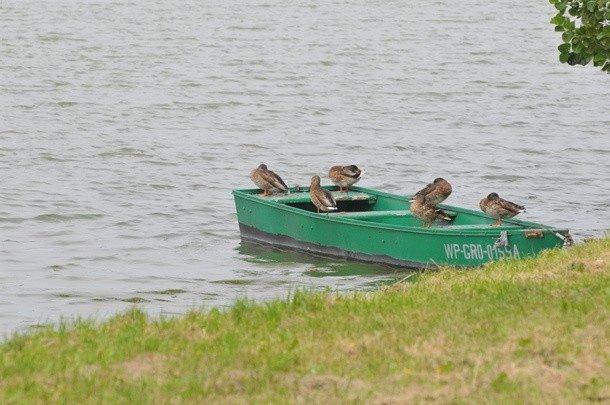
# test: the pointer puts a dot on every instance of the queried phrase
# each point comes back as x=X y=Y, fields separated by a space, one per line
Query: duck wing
x=427 y=212
x=326 y=198
x=323 y=199
x=440 y=214
x=510 y=207
x=274 y=180
x=436 y=214
x=351 y=171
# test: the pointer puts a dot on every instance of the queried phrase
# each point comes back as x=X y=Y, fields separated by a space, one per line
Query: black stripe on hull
x=249 y=233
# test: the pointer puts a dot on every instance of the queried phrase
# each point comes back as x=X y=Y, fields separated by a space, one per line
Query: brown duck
x=436 y=192
x=499 y=208
x=426 y=212
x=345 y=176
x=267 y=180
x=321 y=197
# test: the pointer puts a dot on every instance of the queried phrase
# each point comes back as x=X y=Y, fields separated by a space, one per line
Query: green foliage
x=585 y=25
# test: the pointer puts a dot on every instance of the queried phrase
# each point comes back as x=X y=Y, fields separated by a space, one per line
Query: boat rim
x=483 y=230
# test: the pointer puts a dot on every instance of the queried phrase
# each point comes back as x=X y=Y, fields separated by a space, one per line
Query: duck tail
x=519 y=209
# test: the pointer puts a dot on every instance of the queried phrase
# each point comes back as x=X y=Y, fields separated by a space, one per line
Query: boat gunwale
x=484 y=230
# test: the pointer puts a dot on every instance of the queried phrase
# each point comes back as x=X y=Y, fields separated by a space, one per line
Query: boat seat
x=373 y=214
x=482 y=226
x=303 y=197
x=389 y=213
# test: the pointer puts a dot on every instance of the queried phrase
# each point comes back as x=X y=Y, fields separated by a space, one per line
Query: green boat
x=377 y=227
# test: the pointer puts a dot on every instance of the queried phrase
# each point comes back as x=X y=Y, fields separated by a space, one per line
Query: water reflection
x=321 y=266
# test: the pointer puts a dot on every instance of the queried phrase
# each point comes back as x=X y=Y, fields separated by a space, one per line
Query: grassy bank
x=530 y=331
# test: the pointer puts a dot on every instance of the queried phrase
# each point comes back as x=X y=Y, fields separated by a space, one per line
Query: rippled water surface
x=125 y=125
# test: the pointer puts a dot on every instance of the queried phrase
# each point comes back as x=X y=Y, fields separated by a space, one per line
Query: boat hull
x=251 y=234
x=363 y=235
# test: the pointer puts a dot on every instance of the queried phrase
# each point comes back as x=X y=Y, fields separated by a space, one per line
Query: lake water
x=124 y=126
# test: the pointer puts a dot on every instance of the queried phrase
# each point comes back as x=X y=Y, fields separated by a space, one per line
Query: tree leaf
x=572 y=59
x=558 y=19
x=560 y=6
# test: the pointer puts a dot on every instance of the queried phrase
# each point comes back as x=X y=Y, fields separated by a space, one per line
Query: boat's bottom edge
x=252 y=234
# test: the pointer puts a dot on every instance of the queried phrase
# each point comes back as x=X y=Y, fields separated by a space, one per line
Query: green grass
x=528 y=331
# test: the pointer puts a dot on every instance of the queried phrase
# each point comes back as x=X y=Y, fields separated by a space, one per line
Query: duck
x=436 y=192
x=345 y=176
x=426 y=212
x=321 y=197
x=499 y=208
x=267 y=180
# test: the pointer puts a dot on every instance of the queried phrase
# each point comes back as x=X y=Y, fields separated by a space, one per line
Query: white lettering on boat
x=474 y=251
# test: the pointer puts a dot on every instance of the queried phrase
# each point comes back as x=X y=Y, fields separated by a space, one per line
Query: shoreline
x=532 y=330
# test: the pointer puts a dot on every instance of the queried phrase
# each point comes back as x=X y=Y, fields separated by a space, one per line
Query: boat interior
x=386 y=209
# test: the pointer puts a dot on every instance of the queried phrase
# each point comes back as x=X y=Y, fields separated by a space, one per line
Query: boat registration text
x=473 y=251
